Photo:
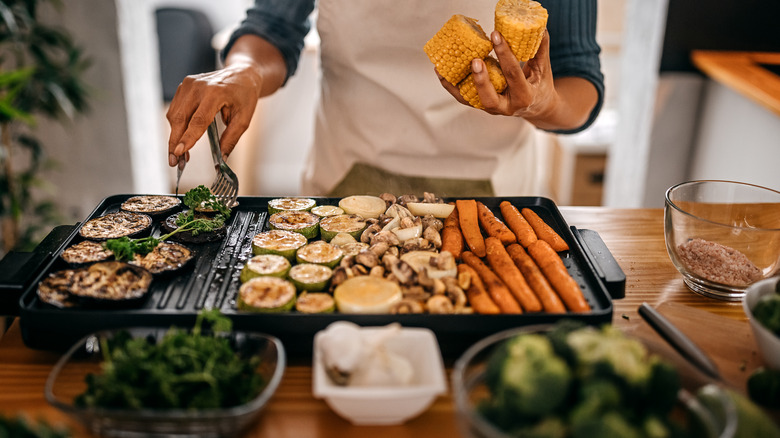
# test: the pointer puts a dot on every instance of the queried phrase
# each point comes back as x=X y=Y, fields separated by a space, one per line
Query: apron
x=381 y=103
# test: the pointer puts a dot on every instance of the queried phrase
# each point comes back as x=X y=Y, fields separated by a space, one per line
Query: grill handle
x=19 y=268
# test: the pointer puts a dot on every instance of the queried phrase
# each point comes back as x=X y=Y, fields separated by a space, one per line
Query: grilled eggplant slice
x=188 y=236
x=84 y=253
x=116 y=225
x=165 y=258
x=54 y=290
x=153 y=205
x=110 y=284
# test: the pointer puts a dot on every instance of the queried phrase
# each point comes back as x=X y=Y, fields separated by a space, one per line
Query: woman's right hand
x=254 y=68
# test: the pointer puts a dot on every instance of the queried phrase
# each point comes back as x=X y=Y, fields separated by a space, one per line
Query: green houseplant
x=41 y=71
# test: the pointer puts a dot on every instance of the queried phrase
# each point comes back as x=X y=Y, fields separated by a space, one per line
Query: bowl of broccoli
x=572 y=380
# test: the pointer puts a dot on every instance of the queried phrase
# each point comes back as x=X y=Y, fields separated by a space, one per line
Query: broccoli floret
x=547 y=427
x=608 y=352
x=767 y=312
x=610 y=425
x=763 y=387
x=531 y=379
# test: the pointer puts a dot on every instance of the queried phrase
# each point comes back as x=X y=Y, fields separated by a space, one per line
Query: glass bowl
x=722 y=236
x=66 y=381
x=715 y=418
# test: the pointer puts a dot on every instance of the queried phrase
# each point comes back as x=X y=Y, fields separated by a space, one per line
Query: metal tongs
x=225 y=185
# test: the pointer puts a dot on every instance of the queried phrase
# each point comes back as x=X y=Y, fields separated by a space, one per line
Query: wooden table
x=634 y=237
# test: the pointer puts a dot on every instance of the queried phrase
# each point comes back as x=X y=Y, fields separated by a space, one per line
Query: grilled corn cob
x=468 y=89
x=522 y=23
x=455 y=45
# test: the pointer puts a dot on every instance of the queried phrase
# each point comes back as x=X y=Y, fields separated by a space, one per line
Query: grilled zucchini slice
x=310 y=277
x=351 y=224
x=266 y=294
x=315 y=302
x=280 y=242
x=319 y=252
x=303 y=222
x=271 y=265
x=290 y=204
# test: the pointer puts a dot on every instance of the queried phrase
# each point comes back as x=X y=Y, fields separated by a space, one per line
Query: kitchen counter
x=742 y=72
x=634 y=237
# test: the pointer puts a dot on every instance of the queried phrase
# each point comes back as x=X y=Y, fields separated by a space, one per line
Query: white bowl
x=377 y=405
x=768 y=342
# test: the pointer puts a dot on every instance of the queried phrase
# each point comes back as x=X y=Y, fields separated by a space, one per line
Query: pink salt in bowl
x=722 y=236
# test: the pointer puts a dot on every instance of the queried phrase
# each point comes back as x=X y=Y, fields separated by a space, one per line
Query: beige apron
x=381 y=103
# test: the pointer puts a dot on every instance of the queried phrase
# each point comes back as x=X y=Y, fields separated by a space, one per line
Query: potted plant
x=41 y=72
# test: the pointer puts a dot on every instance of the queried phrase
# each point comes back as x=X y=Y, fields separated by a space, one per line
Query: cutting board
x=729 y=343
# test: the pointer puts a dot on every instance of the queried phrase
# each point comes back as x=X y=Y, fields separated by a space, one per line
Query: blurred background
x=665 y=120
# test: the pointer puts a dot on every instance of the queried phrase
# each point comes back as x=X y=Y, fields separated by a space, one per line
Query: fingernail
x=224 y=157
x=172 y=160
x=476 y=66
x=496 y=37
x=179 y=149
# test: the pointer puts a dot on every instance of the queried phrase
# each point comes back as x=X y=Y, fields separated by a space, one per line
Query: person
x=383 y=123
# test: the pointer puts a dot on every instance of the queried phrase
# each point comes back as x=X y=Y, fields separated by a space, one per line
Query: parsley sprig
x=195 y=369
x=125 y=248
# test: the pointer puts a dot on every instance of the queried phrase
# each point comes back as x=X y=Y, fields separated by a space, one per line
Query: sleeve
x=283 y=23
x=573 y=47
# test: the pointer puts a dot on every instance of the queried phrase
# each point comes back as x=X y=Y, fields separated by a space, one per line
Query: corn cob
x=468 y=89
x=522 y=23
x=455 y=45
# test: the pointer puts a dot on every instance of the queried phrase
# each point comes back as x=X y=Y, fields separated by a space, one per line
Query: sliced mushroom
x=432 y=235
x=456 y=296
x=417 y=244
x=367 y=258
x=408 y=305
x=423 y=279
x=339 y=276
x=369 y=233
x=403 y=272
x=464 y=280
x=385 y=236
x=439 y=304
x=415 y=292
x=403 y=199
x=379 y=248
x=359 y=270
x=389 y=198
x=430 y=198
x=444 y=261
x=430 y=220
x=377 y=271
x=438 y=286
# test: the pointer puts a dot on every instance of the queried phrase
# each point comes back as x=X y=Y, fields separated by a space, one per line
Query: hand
x=530 y=91
x=233 y=91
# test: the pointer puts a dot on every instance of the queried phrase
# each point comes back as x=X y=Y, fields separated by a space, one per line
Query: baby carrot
x=451 y=237
x=495 y=287
x=469 y=226
x=551 y=302
x=493 y=226
x=506 y=269
x=478 y=297
x=517 y=223
x=554 y=270
x=544 y=231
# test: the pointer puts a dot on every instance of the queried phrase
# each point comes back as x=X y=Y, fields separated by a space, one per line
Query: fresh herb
x=198 y=369
x=125 y=248
x=21 y=427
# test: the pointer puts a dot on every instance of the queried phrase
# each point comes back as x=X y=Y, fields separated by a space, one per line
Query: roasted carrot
x=478 y=297
x=517 y=223
x=494 y=286
x=544 y=231
x=451 y=237
x=550 y=300
x=469 y=226
x=508 y=272
x=493 y=225
x=554 y=270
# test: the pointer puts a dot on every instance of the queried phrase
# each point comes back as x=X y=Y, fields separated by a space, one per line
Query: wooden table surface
x=634 y=237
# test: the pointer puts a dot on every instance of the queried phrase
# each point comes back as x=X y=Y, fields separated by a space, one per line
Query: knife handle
x=679 y=340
